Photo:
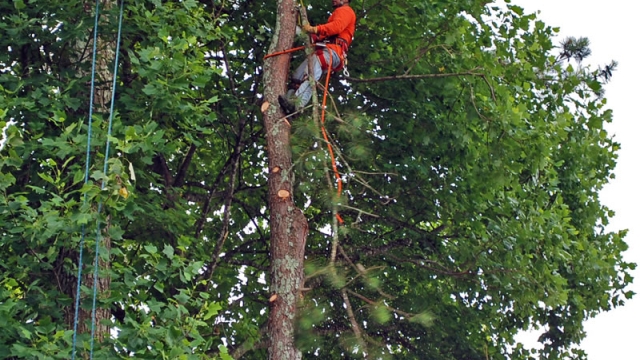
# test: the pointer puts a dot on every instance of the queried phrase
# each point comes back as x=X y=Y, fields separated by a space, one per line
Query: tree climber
x=332 y=42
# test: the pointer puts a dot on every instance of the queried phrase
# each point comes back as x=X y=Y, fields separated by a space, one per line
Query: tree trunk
x=288 y=225
x=105 y=54
x=102 y=291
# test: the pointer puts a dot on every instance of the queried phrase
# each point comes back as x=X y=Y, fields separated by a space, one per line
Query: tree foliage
x=471 y=148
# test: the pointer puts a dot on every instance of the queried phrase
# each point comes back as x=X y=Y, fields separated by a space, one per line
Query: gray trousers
x=303 y=94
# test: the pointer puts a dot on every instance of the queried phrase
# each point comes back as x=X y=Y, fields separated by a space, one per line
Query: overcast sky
x=611 y=26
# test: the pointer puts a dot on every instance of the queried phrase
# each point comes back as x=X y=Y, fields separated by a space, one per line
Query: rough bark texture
x=288 y=225
x=102 y=290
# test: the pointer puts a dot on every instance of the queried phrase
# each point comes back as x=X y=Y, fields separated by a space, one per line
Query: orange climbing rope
x=324 y=131
x=283 y=52
x=326 y=138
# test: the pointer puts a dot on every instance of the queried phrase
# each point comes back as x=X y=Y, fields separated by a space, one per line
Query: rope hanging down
x=326 y=137
x=86 y=179
x=322 y=117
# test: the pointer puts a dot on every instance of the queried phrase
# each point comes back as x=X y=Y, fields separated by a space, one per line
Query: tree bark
x=105 y=54
x=288 y=225
x=101 y=331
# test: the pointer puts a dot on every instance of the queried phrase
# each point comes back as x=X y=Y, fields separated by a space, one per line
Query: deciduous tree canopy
x=471 y=152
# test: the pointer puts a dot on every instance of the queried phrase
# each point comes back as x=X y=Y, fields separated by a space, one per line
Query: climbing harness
x=323 y=62
x=320 y=46
x=86 y=180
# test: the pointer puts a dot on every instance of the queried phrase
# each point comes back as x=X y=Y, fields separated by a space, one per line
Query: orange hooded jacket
x=341 y=24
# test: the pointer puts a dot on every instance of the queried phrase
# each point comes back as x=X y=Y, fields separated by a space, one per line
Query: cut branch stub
x=283 y=194
x=275 y=169
x=264 y=107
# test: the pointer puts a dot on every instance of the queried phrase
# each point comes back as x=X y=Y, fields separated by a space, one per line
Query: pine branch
x=363 y=272
x=354 y=324
x=371 y=302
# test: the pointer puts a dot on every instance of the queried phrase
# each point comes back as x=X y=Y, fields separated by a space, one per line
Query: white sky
x=614 y=335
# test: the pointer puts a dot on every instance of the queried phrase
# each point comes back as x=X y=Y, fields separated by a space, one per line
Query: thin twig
x=205 y=208
x=336 y=116
x=359 y=210
x=374 y=173
x=426 y=49
x=295 y=113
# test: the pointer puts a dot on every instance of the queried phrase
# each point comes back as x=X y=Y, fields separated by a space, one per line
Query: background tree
x=471 y=152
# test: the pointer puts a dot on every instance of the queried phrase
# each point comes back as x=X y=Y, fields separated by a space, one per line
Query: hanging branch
x=354 y=324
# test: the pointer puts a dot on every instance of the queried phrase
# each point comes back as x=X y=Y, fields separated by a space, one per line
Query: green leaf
x=19 y=4
x=151 y=249
x=168 y=251
x=224 y=353
x=212 y=310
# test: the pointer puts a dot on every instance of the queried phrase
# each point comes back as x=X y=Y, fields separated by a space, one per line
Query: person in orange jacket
x=332 y=42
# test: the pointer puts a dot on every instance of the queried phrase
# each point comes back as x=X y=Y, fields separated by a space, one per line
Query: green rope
x=86 y=176
x=105 y=168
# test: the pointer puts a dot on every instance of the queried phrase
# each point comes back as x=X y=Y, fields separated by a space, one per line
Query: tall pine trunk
x=288 y=225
